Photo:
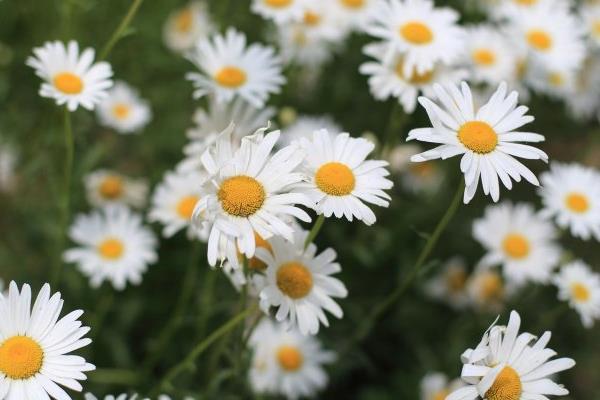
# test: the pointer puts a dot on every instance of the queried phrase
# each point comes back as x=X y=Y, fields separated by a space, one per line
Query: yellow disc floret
x=335 y=179
x=353 y=3
x=241 y=196
x=121 y=110
x=231 y=77
x=20 y=357
x=484 y=57
x=186 y=205
x=68 y=83
x=416 y=32
x=507 y=386
x=289 y=358
x=111 y=187
x=577 y=202
x=278 y=3
x=478 y=136
x=516 y=246
x=540 y=40
x=294 y=280
x=580 y=292
x=184 y=20
x=111 y=248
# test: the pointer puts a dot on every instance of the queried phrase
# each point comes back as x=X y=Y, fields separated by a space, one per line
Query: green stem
x=207 y=294
x=391 y=299
x=104 y=306
x=201 y=347
x=395 y=123
x=107 y=376
x=66 y=196
x=315 y=230
x=118 y=33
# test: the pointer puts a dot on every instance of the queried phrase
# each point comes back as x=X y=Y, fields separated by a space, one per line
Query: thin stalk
x=118 y=33
x=314 y=230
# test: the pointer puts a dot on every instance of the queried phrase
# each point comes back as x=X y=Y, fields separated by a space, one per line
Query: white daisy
x=69 y=77
x=580 y=286
x=124 y=110
x=230 y=68
x=450 y=284
x=571 y=195
x=299 y=283
x=340 y=179
x=304 y=127
x=174 y=201
x=211 y=122
x=507 y=365
x=507 y=9
x=549 y=33
x=556 y=83
x=8 y=163
x=486 y=138
x=280 y=11
x=590 y=13
x=436 y=386
x=113 y=245
x=520 y=240
x=583 y=102
x=35 y=346
x=424 y=34
x=487 y=290
x=354 y=13
x=286 y=363
x=298 y=47
x=415 y=177
x=185 y=26
x=248 y=192
x=387 y=77
x=105 y=187
x=490 y=55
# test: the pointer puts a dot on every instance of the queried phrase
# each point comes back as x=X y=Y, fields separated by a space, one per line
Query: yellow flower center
x=255 y=263
x=423 y=170
x=335 y=179
x=516 y=246
x=441 y=395
x=289 y=358
x=184 y=20
x=596 y=28
x=539 y=39
x=311 y=18
x=294 y=280
x=580 y=292
x=111 y=249
x=111 y=187
x=416 y=32
x=507 y=386
x=526 y=2
x=478 y=136
x=121 y=111
x=556 y=79
x=231 y=77
x=68 y=83
x=577 y=202
x=20 y=357
x=490 y=287
x=484 y=57
x=353 y=3
x=416 y=78
x=278 y=3
x=456 y=280
x=185 y=207
x=241 y=196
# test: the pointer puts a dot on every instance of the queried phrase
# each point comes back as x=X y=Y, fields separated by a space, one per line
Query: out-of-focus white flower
x=185 y=26
x=124 y=110
x=580 y=286
x=8 y=163
x=304 y=127
x=436 y=386
x=105 y=187
x=487 y=290
x=415 y=177
x=450 y=284
x=490 y=55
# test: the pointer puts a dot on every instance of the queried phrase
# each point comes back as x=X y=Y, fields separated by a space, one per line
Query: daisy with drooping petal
x=280 y=11
x=450 y=284
x=69 y=77
x=105 y=187
x=230 y=68
x=185 y=26
x=299 y=283
x=580 y=286
x=507 y=365
x=209 y=123
x=491 y=57
x=248 y=192
x=340 y=177
x=35 y=346
x=387 y=77
x=174 y=201
x=487 y=290
x=520 y=240
x=124 y=110
x=304 y=127
x=571 y=195
x=113 y=245
x=8 y=163
x=436 y=386
x=424 y=34
x=287 y=363
x=487 y=138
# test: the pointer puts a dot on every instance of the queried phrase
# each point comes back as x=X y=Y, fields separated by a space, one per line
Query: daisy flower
x=105 y=187
x=185 y=26
x=571 y=195
x=247 y=192
x=354 y=13
x=450 y=284
x=487 y=290
x=507 y=365
x=286 y=363
x=124 y=110
x=520 y=240
x=113 y=245
x=340 y=179
x=436 y=386
x=491 y=57
x=580 y=286
x=230 y=68
x=304 y=127
x=415 y=177
x=556 y=83
x=583 y=102
x=8 y=163
x=424 y=34
x=209 y=123
x=299 y=283
x=69 y=77
x=280 y=11
x=507 y=9
x=387 y=77
x=174 y=201
x=485 y=138
x=35 y=346
x=590 y=13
